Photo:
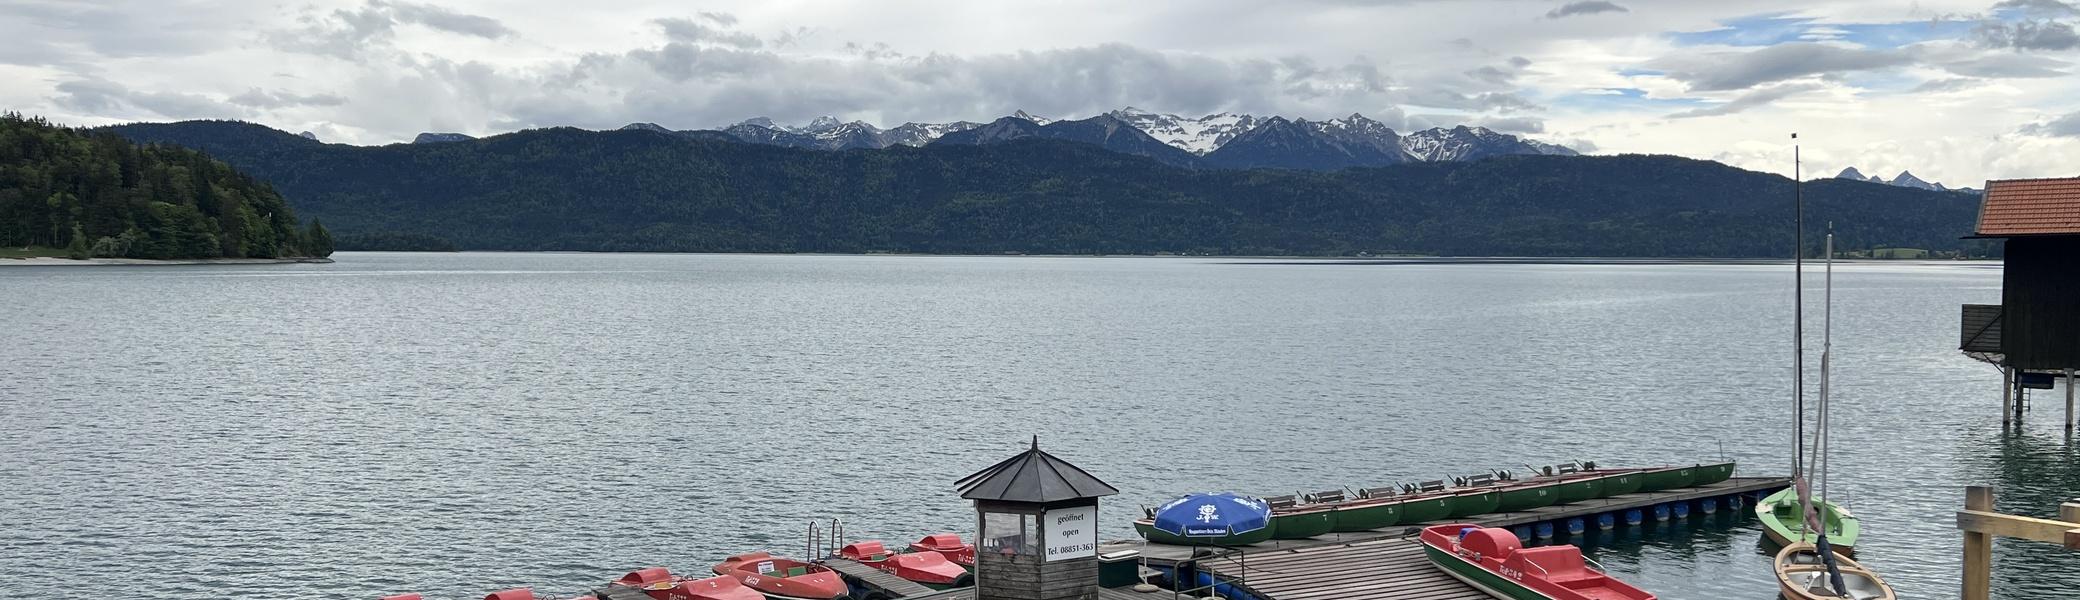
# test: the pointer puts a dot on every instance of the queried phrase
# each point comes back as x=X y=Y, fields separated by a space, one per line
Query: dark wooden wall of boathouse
x=2040 y=298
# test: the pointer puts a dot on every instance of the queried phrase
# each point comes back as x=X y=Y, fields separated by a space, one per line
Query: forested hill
x=635 y=190
x=105 y=196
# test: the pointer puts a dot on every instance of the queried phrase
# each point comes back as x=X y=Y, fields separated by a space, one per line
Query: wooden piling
x=1978 y=547
x=2007 y=388
x=2069 y=402
x=1979 y=524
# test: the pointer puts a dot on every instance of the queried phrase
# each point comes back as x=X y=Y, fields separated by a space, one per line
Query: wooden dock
x=1103 y=594
x=1388 y=564
x=860 y=575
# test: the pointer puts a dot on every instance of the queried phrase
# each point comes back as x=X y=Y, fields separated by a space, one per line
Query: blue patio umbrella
x=1212 y=515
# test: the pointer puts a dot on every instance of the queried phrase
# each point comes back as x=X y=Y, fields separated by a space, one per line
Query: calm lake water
x=457 y=424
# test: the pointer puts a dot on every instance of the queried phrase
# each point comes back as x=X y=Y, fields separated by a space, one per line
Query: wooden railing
x=1979 y=524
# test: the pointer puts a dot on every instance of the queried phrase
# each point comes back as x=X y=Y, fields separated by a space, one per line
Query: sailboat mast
x=1798 y=325
x=1826 y=442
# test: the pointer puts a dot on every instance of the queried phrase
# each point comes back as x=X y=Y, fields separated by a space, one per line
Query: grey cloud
x=77 y=34
x=1512 y=124
x=1584 y=7
x=1952 y=84
x=445 y=20
x=104 y=97
x=257 y=98
x=92 y=95
x=2025 y=35
x=2039 y=7
x=2064 y=126
x=348 y=34
x=1734 y=71
x=2004 y=66
x=722 y=19
x=690 y=31
x=1749 y=100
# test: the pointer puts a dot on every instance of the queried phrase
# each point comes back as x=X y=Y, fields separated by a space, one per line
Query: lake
x=457 y=424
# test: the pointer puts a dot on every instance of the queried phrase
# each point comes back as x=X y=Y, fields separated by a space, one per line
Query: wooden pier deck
x=864 y=576
x=1103 y=594
x=1388 y=564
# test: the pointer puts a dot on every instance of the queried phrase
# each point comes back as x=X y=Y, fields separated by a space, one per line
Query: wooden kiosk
x=1038 y=521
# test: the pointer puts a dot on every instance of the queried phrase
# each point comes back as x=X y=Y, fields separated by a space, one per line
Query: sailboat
x=1818 y=568
x=1791 y=516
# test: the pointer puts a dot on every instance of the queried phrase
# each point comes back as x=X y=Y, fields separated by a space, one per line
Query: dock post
x=2069 y=401
x=2007 y=386
x=1978 y=547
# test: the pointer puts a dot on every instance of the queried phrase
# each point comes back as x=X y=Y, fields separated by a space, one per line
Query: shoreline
x=49 y=261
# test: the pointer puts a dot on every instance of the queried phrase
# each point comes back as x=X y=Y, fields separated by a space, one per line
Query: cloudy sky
x=1957 y=91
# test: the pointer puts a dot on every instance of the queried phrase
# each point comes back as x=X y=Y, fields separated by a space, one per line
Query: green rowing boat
x=1368 y=513
x=1780 y=512
x=1666 y=478
x=1713 y=473
x=1526 y=496
x=1304 y=521
x=1470 y=502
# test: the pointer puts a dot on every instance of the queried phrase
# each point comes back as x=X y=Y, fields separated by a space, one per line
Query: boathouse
x=2033 y=335
x=1038 y=518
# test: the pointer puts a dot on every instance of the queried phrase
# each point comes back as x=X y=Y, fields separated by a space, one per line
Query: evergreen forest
x=101 y=195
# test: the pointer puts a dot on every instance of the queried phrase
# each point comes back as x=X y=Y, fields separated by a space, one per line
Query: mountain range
x=1017 y=185
x=1903 y=179
x=1219 y=141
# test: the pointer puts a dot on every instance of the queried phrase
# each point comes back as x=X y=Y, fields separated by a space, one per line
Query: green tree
x=77 y=250
x=319 y=242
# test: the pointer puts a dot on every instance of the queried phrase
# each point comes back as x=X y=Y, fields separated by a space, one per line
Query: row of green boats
x=1378 y=508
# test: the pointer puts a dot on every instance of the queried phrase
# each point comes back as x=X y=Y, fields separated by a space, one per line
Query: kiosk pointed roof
x=1032 y=476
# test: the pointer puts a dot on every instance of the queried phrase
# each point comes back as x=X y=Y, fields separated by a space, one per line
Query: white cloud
x=378 y=71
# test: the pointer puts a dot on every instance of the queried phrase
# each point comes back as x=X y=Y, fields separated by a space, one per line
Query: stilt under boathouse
x=2033 y=335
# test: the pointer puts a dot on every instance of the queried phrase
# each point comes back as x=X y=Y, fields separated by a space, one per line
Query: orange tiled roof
x=2031 y=207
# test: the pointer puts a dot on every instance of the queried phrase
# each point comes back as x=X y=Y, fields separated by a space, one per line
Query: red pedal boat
x=947 y=545
x=661 y=584
x=784 y=579
x=1493 y=561
x=513 y=594
x=929 y=568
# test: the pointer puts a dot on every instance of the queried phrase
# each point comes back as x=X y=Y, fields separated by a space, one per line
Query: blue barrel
x=1606 y=521
x=1708 y=505
x=1523 y=532
x=1542 y=530
x=1575 y=526
x=1681 y=509
x=1661 y=512
x=1633 y=516
x=1736 y=501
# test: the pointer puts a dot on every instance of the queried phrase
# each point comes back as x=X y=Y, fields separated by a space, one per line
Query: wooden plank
x=876 y=578
x=2028 y=528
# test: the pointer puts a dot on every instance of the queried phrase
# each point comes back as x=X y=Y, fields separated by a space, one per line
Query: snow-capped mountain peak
x=1197 y=136
x=1036 y=120
x=823 y=123
x=1903 y=179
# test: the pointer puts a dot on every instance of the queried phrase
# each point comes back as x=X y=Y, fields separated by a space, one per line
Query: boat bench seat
x=796 y=571
x=1278 y=502
x=1560 y=564
x=1378 y=492
x=1326 y=496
